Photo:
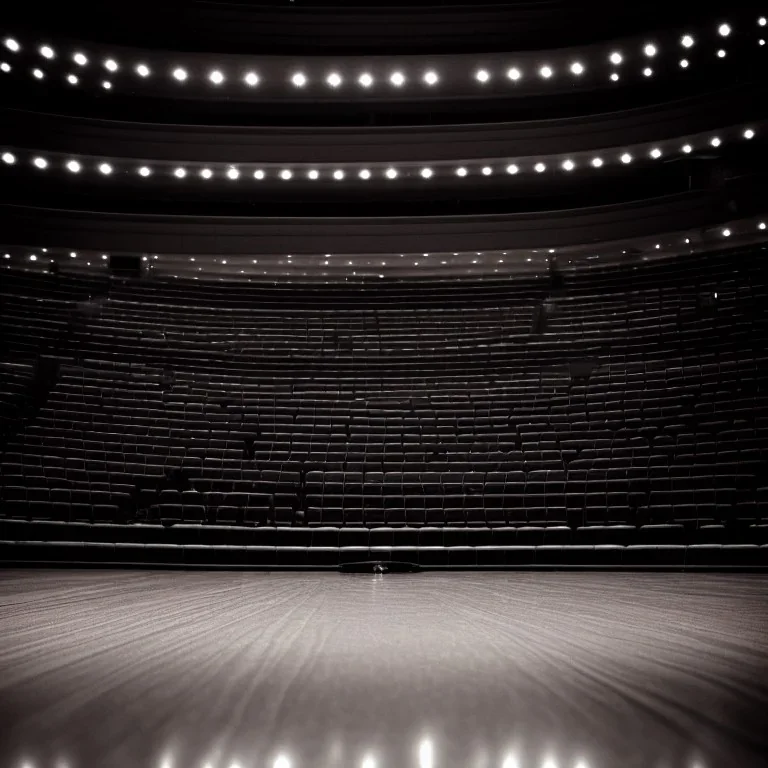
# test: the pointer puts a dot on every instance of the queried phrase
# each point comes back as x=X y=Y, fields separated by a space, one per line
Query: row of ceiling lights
x=233 y=173
x=300 y=79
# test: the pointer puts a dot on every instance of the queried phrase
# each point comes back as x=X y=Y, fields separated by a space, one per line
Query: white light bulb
x=180 y=74
x=9 y=158
x=724 y=30
x=715 y=141
x=514 y=74
x=72 y=79
x=569 y=165
x=366 y=80
x=597 y=162
x=512 y=169
x=487 y=170
x=540 y=167
x=233 y=173
x=650 y=50
x=364 y=174
x=397 y=79
x=334 y=80
x=655 y=153
x=577 y=68
x=216 y=77
x=12 y=45
x=431 y=78
x=684 y=63
x=73 y=166
x=286 y=174
x=391 y=173
x=40 y=162
x=145 y=171
x=749 y=133
x=546 y=72
x=626 y=158
x=462 y=171
x=338 y=174
x=687 y=41
x=38 y=73
x=312 y=174
x=426 y=173
x=180 y=173
x=647 y=71
x=258 y=175
x=142 y=70
x=111 y=65
x=47 y=52
x=251 y=79
x=616 y=58
x=105 y=168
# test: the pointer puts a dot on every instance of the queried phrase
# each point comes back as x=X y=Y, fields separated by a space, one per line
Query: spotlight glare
x=721 y=54
x=366 y=80
x=72 y=79
x=338 y=174
x=391 y=173
x=180 y=74
x=577 y=68
x=180 y=173
x=614 y=76
x=106 y=85
x=47 y=52
x=105 y=168
x=145 y=171
x=38 y=73
x=111 y=65
x=462 y=171
x=715 y=141
x=233 y=173
x=12 y=45
x=546 y=72
x=431 y=78
x=482 y=75
x=80 y=59
x=206 y=173
x=512 y=169
x=749 y=133
x=397 y=79
x=142 y=70
x=41 y=163
x=616 y=58
x=251 y=79
x=364 y=174
x=626 y=158
x=650 y=50
x=647 y=71
x=258 y=174
x=334 y=80
x=597 y=162
x=73 y=166
x=687 y=41
x=655 y=153
x=687 y=148
x=761 y=21
x=9 y=158
x=761 y=225
x=726 y=232
x=540 y=167
x=724 y=30
x=216 y=77
x=514 y=74
x=426 y=173
x=487 y=170
x=286 y=174
x=684 y=63
x=569 y=165
x=312 y=174
x=5 y=66
x=32 y=257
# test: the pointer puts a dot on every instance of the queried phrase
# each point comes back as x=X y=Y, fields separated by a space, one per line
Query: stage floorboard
x=126 y=669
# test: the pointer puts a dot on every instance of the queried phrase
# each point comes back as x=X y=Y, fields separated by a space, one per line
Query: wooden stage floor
x=126 y=669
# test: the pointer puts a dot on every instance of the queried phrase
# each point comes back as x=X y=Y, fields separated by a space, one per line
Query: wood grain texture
x=233 y=670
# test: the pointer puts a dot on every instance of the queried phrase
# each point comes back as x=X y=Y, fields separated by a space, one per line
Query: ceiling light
x=259 y=174
x=626 y=158
x=761 y=21
x=12 y=45
x=569 y=165
x=482 y=75
x=540 y=167
x=106 y=85
x=334 y=80
x=647 y=71
x=462 y=171
x=391 y=173
x=364 y=174
x=487 y=170
x=546 y=71
x=721 y=54
x=313 y=174
x=105 y=168
x=180 y=74
x=726 y=232
x=597 y=162
x=72 y=79
x=32 y=257
x=426 y=173
x=286 y=174
x=5 y=66
x=687 y=41
x=38 y=73
x=655 y=153
x=761 y=225
x=180 y=173
x=47 y=52
x=715 y=141
x=514 y=73
x=80 y=59
x=650 y=49
x=9 y=158
x=111 y=65
x=366 y=80
x=431 y=78
x=684 y=63
x=338 y=174
x=251 y=79
x=512 y=169
x=687 y=148
x=616 y=58
x=145 y=171
x=397 y=79
x=577 y=68
x=724 y=30
x=233 y=173
x=142 y=70
x=614 y=76
x=73 y=166
x=749 y=133
x=40 y=162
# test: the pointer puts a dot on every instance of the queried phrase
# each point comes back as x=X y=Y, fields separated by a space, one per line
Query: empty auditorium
x=383 y=384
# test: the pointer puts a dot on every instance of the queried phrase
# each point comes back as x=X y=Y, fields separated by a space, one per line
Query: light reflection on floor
x=287 y=670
